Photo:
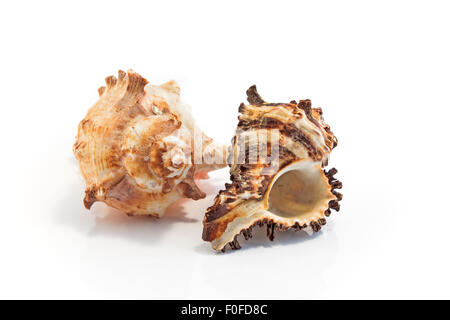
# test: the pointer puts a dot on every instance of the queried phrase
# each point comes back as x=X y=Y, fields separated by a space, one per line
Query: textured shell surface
x=277 y=162
x=135 y=147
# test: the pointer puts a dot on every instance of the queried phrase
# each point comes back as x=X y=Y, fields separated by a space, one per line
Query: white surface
x=380 y=70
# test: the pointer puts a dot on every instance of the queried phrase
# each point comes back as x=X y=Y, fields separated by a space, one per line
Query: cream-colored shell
x=283 y=188
x=135 y=147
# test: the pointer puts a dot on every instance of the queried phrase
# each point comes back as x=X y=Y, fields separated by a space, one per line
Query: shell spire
x=135 y=147
x=276 y=167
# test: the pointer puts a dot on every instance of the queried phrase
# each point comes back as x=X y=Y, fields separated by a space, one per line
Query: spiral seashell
x=136 y=147
x=278 y=180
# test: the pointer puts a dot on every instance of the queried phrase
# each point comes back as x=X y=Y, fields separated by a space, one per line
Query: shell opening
x=299 y=192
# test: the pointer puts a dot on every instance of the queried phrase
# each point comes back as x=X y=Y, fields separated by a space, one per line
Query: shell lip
x=258 y=212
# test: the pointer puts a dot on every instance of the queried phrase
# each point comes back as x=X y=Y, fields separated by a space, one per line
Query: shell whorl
x=134 y=147
x=291 y=132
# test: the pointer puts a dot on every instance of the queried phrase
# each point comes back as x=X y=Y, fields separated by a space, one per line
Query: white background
x=379 y=69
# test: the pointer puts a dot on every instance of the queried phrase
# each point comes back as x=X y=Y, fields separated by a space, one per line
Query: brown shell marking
x=124 y=94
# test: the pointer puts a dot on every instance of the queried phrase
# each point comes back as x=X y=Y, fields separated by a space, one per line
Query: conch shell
x=135 y=147
x=278 y=180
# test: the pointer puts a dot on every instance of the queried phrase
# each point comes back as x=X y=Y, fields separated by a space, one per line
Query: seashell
x=137 y=147
x=277 y=159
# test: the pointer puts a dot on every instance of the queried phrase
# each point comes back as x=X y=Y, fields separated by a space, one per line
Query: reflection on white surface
x=62 y=250
x=167 y=257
